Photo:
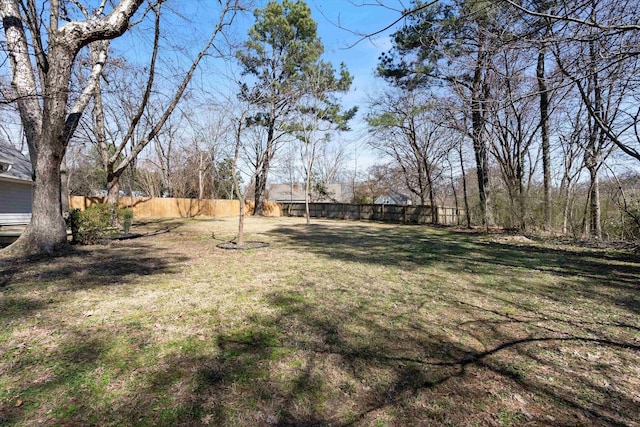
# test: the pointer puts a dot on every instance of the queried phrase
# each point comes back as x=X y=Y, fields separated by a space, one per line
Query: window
x=5 y=166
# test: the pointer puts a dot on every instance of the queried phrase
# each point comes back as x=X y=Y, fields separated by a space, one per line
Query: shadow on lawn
x=438 y=364
x=266 y=374
x=412 y=247
x=72 y=362
x=320 y=358
x=305 y=367
x=24 y=283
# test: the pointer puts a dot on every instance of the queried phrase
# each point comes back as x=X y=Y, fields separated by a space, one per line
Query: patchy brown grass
x=337 y=323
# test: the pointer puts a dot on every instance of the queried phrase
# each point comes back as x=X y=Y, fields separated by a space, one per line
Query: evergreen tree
x=451 y=43
x=283 y=44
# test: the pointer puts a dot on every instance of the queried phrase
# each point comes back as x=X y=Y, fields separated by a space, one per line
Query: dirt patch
x=244 y=247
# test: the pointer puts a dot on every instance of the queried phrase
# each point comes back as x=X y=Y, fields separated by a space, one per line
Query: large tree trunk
x=465 y=194
x=482 y=170
x=544 y=134
x=43 y=105
x=595 y=225
x=478 y=137
x=261 y=188
x=432 y=198
x=64 y=185
x=522 y=200
x=263 y=173
x=113 y=196
x=47 y=230
x=113 y=188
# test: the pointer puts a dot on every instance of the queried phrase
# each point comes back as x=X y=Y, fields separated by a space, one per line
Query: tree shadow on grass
x=24 y=282
x=421 y=245
x=434 y=362
x=334 y=357
x=314 y=363
x=415 y=247
x=69 y=378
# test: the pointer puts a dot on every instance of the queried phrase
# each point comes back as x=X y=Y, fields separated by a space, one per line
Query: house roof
x=294 y=192
x=20 y=170
x=399 y=198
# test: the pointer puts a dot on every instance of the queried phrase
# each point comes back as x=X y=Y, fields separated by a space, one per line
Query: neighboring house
x=16 y=186
x=294 y=192
x=392 y=198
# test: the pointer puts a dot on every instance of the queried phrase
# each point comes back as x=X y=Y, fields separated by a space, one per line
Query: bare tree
x=215 y=149
x=614 y=25
x=572 y=134
x=163 y=143
x=452 y=44
x=578 y=13
x=513 y=125
x=288 y=167
x=53 y=35
x=114 y=157
x=319 y=115
x=240 y=124
x=602 y=72
x=405 y=127
x=331 y=162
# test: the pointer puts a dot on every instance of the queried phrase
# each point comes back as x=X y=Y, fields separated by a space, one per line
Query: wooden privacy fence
x=411 y=214
x=147 y=207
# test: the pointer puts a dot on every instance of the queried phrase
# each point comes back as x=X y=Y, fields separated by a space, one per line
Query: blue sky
x=341 y=24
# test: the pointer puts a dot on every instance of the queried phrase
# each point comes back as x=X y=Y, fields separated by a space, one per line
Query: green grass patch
x=337 y=323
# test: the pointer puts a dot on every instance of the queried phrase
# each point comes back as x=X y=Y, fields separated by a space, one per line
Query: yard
x=337 y=323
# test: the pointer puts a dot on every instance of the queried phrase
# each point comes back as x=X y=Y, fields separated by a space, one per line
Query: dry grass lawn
x=337 y=323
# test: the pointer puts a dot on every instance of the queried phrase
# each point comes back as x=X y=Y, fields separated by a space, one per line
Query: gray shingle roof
x=21 y=166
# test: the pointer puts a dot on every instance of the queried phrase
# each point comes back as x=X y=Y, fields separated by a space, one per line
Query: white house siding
x=15 y=197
